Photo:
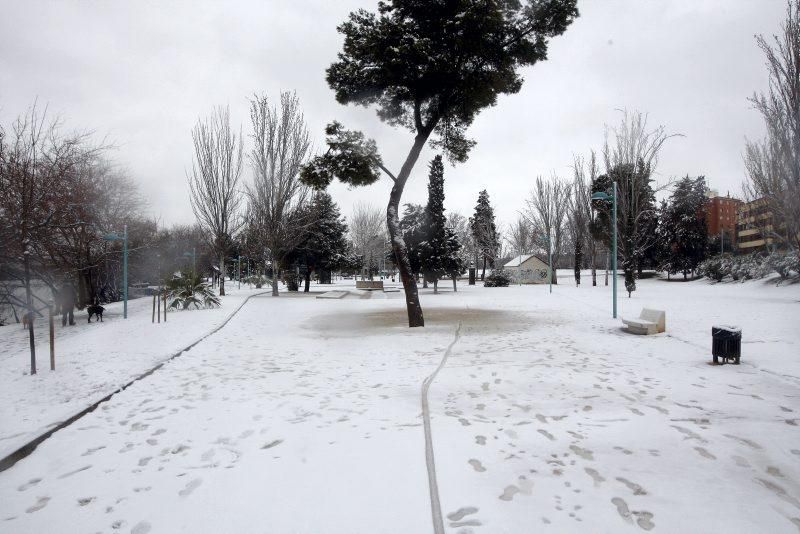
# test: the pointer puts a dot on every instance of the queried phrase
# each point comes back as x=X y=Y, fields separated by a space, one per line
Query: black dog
x=96 y=310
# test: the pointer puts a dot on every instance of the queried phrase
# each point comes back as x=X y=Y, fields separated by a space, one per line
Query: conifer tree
x=484 y=231
x=430 y=67
x=683 y=235
x=439 y=251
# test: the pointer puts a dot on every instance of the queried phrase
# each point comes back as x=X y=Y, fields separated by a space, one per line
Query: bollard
x=52 y=340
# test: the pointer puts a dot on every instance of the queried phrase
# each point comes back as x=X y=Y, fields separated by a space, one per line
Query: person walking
x=68 y=298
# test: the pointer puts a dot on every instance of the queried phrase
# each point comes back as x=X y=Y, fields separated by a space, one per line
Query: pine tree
x=683 y=234
x=439 y=251
x=412 y=227
x=324 y=246
x=484 y=231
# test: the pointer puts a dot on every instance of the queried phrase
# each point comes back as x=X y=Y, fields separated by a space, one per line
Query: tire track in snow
x=433 y=487
x=25 y=450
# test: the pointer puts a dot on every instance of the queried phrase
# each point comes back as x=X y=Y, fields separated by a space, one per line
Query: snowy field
x=304 y=415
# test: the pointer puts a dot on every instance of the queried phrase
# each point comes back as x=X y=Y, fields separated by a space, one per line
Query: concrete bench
x=369 y=284
x=649 y=322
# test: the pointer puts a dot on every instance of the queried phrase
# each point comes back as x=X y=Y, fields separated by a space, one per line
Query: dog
x=96 y=310
x=27 y=319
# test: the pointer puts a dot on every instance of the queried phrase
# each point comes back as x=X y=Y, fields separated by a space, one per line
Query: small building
x=527 y=269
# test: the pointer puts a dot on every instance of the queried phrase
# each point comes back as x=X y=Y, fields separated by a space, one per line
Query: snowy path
x=303 y=415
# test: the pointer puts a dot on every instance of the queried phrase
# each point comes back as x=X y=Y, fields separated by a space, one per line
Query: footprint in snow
x=190 y=487
x=142 y=527
x=477 y=465
x=40 y=503
x=29 y=484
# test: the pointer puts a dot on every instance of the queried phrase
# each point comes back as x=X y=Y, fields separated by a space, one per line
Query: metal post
x=550 y=262
x=239 y=270
x=52 y=340
x=125 y=273
x=614 y=253
x=721 y=242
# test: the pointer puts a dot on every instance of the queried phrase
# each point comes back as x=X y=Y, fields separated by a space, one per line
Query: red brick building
x=721 y=215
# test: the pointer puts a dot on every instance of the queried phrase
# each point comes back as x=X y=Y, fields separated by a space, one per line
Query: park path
x=266 y=420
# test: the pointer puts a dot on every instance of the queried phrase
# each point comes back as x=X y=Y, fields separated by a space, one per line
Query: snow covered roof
x=519 y=260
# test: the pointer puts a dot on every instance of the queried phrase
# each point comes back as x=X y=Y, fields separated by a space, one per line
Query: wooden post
x=159 y=306
x=52 y=340
x=154 y=309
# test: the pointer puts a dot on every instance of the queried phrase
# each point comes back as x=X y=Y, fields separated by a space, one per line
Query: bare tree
x=580 y=216
x=773 y=164
x=214 y=181
x=368 y=235
x=35 y=162
x=520 y=236
x=281 y=145
x=547 y=212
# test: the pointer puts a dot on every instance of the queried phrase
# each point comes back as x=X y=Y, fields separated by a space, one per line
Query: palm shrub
x=187 y=289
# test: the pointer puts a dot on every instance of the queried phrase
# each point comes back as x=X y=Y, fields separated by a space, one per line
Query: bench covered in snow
x=648 y=322
x=369 y=284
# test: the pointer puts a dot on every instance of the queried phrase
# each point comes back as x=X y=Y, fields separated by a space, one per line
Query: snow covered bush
x=188 y=289
x=292 y=281
x=786 y=264
x=497 y=279
x=715 y=268
x=256 y=280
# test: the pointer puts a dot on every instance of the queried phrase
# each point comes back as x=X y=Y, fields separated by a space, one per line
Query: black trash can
x=726 y=344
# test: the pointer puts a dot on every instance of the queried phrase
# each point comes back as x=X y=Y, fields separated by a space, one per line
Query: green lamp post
x=613 y=198
x=124 y=239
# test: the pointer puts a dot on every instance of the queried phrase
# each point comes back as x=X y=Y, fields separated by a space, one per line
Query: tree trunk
x=608 y=258
x=435 y=286
x=483 y=273
x=308 y=281
x=424 y=282
x=455 y=289
x=29 y=303
x=222 y=274
x=415 y=317
x=274 y=278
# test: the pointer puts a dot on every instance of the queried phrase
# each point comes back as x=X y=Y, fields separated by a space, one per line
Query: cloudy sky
x=141 y=73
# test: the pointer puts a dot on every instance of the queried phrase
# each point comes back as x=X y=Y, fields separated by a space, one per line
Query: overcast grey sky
x=142 y=72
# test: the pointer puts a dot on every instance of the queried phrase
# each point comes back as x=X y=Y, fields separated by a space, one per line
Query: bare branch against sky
x=143 y=72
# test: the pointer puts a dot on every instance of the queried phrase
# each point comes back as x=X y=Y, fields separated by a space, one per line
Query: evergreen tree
x=636 y=216
x=412 y=226
x=683 y=234
x=324 y=246
x=484 y=232
x=439 y=251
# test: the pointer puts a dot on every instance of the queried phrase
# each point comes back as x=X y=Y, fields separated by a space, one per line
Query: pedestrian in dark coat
x=68 y=298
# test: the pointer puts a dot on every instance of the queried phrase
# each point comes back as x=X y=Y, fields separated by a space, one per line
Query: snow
x=304 y=415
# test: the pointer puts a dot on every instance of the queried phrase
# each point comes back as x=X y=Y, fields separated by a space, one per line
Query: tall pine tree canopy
x=324 y=245
x=484 y=229
x=439 y=251
x=429 y=66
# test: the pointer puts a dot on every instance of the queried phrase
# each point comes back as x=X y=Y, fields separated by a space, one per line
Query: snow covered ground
x=304 y=415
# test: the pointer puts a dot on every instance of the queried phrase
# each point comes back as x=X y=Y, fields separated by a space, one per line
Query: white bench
x=649 y=322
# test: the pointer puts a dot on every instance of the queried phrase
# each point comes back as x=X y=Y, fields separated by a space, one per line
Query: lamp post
x=124 y=239
x=613 y=198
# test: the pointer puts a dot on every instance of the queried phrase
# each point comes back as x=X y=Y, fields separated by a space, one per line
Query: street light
x=124 y=239
x=613 y=198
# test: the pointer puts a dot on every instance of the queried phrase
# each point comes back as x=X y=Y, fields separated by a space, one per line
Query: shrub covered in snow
x=187 y=289
x=751 y=266
x=497 y=279
x=291 y=280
